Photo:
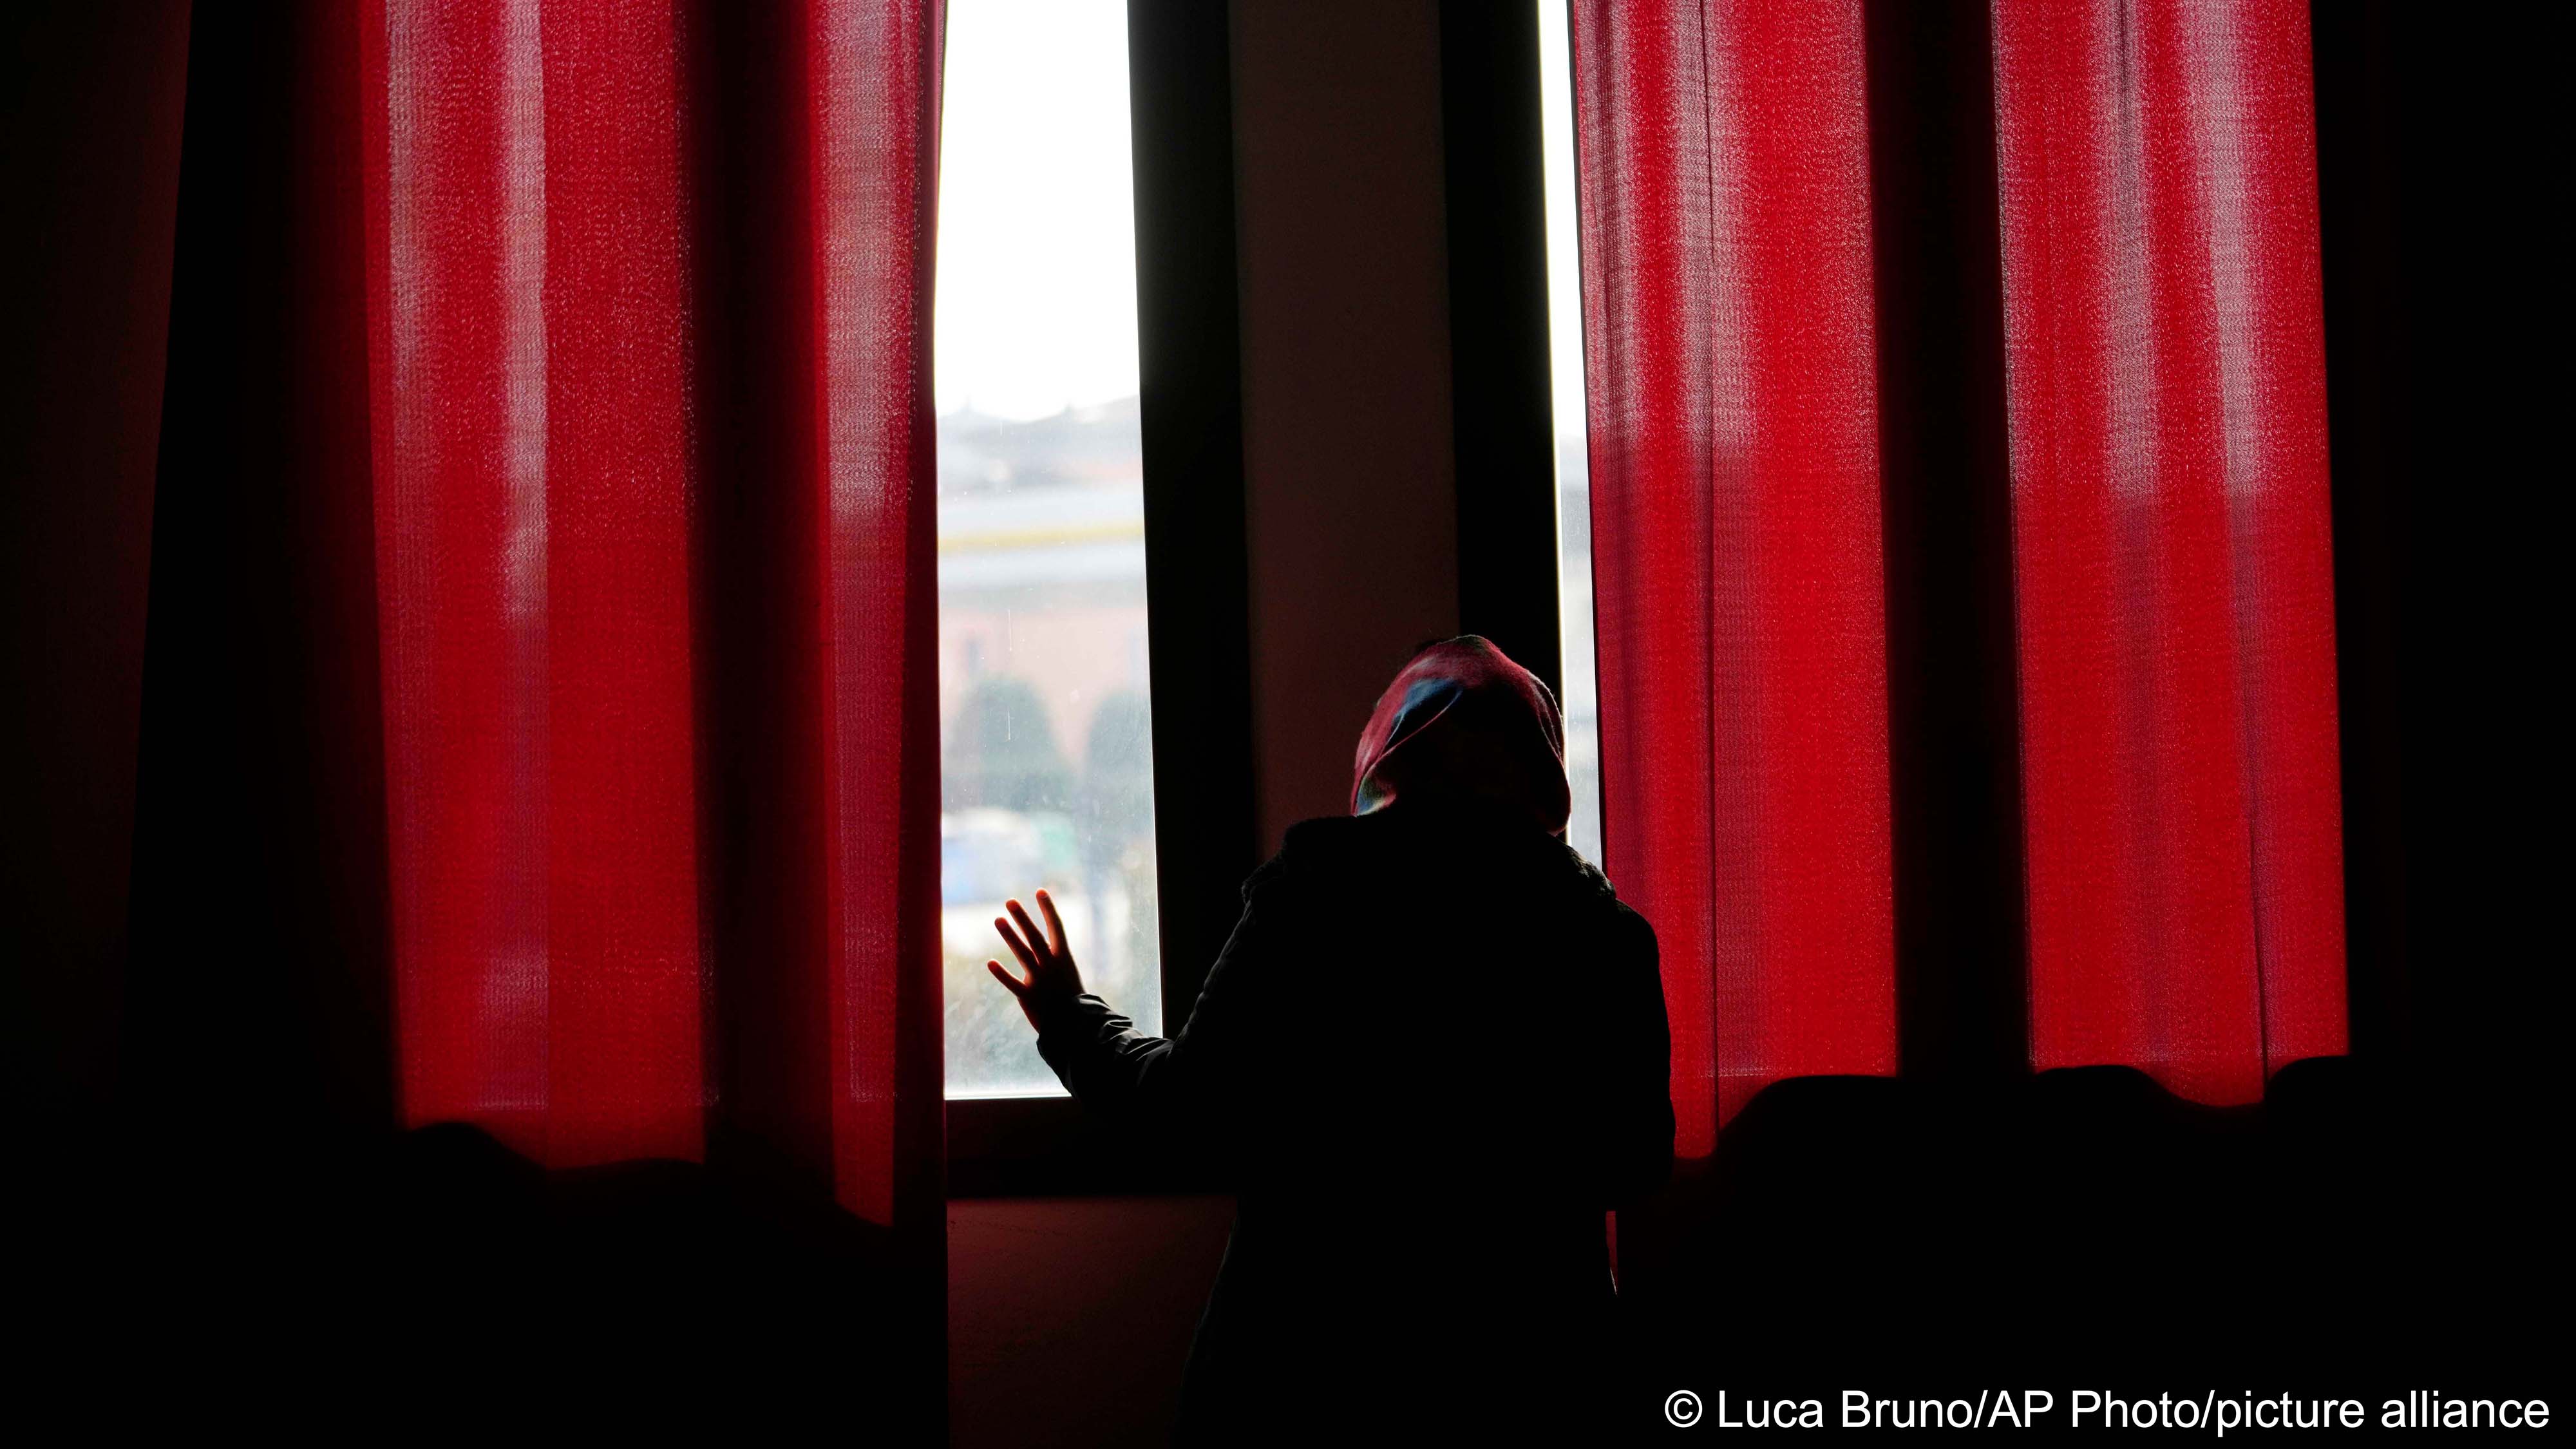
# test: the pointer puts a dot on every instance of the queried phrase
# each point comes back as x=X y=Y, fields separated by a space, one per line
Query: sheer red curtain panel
x=2171 y=538
x=566 y=491
x=2171 y=574
x=1735 y=527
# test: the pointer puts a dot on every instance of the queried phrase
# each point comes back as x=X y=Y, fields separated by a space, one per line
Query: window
x=1046 y=717
x=1581 y=703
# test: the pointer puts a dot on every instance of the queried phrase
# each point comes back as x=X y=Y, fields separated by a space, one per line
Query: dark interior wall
x=1069 y=1318
x=1350 y=505
x=90 y=104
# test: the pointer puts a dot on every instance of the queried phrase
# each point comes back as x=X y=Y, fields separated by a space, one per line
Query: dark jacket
x=1430 y=1058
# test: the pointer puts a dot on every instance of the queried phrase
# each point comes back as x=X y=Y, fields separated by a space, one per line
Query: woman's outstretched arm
x=1101 y=1057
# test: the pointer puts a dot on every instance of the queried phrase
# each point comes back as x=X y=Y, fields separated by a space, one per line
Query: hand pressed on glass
x=1047 y=958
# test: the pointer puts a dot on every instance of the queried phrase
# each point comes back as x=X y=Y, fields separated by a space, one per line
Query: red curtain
x=565 y=497
x=1735 y=526
x=2172 y=584
x=2171 y=537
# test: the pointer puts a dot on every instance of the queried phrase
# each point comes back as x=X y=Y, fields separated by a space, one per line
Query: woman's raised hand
x=1047 y=958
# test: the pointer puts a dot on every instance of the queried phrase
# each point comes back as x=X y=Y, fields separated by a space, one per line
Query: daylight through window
x=1046 y=716
x=1573 y=485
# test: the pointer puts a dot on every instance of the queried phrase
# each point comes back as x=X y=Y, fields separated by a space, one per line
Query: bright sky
x=1564 y=260
x=1037 y=222
x=1037 y=226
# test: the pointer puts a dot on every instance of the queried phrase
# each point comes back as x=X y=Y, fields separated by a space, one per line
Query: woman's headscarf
x=1463 y=723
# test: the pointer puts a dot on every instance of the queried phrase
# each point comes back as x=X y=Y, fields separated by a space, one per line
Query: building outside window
x=1046 y=710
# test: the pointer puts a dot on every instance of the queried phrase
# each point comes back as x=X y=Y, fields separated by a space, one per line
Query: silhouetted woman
x=1429 y=1058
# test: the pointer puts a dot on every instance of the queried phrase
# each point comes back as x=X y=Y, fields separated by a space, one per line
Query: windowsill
x=1049 y=1147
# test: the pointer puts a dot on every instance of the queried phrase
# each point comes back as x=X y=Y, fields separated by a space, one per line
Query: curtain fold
x=1735 y=527
x=647 y=441
x=529 y=322
x=875 y=98
x=501 y=760
x=2171 y=601
x=2165 y=351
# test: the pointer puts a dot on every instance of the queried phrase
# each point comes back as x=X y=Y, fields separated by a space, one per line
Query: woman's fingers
x=1019 y=948
x=1016 y=985
x=1029 y=928
x=1055 y=924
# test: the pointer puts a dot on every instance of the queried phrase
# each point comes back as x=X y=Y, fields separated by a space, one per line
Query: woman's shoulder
x=1356 y=868
x=1392 y=842
x=1316 y=849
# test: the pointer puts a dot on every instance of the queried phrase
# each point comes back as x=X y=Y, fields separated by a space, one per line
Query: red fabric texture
x=875 y=154
x=2172 y=569
x=535 y=321
x=1735 y=517
x=2171 y=538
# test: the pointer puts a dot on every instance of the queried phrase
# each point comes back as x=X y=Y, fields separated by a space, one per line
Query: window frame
x=1198 y=621
x=1198 y=596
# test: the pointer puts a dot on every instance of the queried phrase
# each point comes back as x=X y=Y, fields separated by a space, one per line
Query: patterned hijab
x=1462 y=722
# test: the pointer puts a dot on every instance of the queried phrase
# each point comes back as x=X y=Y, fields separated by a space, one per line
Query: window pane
x=1046 y=727
x=1573 y=477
